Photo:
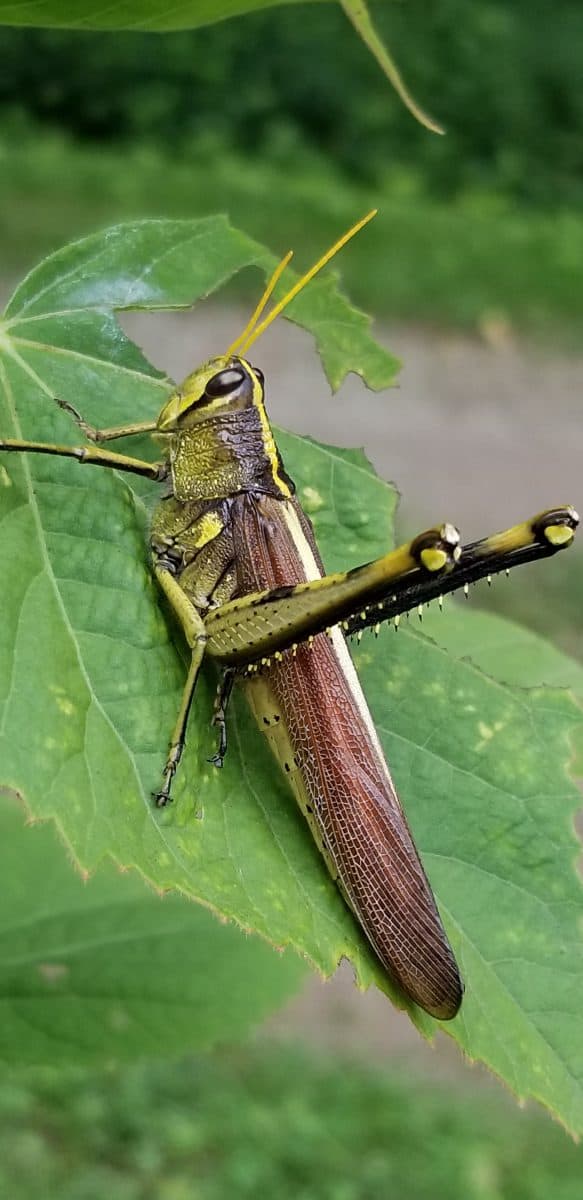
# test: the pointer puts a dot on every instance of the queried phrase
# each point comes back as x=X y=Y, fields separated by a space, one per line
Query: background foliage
x=273 y=1120
x=507 y=89
x=290 y=125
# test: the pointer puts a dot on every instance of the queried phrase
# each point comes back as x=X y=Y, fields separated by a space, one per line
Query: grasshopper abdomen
x=326 y=743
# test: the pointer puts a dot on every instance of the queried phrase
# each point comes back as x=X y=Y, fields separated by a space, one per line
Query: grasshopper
x=235 y=556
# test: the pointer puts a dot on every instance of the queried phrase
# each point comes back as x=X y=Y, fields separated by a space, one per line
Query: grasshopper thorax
x=221 y=441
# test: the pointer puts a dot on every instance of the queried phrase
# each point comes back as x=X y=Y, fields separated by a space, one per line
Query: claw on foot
x=88 y=430
x=163 y=797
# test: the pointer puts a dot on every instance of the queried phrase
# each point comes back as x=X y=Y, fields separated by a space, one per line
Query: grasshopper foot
x=89 y=430
x=220 y=713
x=163 y=797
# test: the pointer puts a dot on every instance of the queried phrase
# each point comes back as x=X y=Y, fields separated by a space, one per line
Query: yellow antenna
x=265 y=297
x=253 y=331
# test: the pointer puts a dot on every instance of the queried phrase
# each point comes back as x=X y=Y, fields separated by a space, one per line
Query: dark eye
x=225 y=381
x=260 y=375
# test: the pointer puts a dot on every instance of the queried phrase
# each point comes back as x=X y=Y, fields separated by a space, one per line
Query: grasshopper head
x=222 y=385
x=228 y=383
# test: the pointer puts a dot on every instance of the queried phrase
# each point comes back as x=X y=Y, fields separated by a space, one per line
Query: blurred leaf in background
x=504 y=80
x=303 y=131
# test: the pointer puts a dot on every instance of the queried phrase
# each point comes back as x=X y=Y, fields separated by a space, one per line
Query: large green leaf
x=509 y=651
x=103 y=970
x=90 y=681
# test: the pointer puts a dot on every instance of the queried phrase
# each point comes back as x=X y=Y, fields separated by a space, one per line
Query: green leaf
x=88 y=667
x=158 y=16
x=103 y=970
x=68 y=302
x=481 y=771
x=510 y=652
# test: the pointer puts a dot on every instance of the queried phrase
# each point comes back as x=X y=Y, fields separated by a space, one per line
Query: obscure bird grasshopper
x=236 y=559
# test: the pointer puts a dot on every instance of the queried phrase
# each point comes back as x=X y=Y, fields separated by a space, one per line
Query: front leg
x=105 y=435
x=194 y=631
x=89 y=454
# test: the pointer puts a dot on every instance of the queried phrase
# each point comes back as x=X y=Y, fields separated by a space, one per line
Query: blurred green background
x=284 y=121
x=271 y=1121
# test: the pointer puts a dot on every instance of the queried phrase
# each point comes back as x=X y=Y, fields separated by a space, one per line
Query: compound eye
x=260 y=375
x=224 y=382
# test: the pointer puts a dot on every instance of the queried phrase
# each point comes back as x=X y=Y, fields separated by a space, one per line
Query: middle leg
x=193 y=627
